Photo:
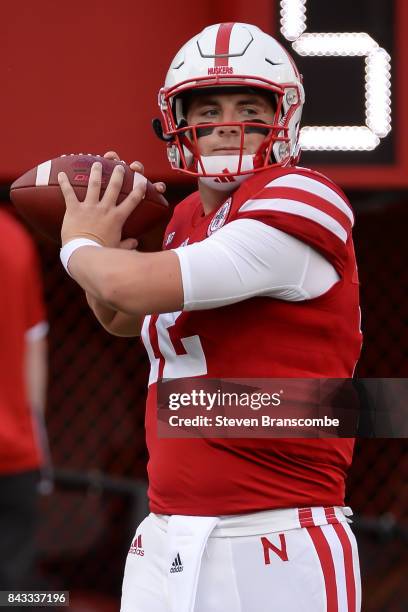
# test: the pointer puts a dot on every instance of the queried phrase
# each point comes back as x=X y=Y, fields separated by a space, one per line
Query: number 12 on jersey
x=170 y=355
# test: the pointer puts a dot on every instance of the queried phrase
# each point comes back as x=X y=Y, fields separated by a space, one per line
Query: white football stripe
x=43 y=173
x=298 y=208
x=336 y=550
x=307 y=184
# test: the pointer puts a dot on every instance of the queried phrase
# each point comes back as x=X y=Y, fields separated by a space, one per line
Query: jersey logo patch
x=219 y=218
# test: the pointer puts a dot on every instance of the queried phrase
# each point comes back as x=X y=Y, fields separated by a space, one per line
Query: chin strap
x=225 y=166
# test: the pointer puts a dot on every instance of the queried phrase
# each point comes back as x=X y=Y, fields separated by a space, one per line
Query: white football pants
x=244 y=563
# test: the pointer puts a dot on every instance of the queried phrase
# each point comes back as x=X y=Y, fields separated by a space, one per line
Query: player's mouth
x=226 y=151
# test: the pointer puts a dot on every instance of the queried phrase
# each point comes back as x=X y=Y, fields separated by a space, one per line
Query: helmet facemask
x=183 y=148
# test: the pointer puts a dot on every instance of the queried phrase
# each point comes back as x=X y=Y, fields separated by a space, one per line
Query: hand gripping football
x=38 y=197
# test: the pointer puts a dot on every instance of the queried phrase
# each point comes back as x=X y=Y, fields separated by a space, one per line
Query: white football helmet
x=232 y=55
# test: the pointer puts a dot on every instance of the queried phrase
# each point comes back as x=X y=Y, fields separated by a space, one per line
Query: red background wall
x=84 y=76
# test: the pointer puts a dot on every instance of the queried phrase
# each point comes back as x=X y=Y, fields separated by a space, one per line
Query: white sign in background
x=377 y=81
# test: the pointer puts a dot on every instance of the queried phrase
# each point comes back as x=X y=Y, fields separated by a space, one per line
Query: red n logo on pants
x=268 y=546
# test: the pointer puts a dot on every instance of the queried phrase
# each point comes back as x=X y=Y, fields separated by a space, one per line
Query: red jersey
x=255 y=338
x=21 y=308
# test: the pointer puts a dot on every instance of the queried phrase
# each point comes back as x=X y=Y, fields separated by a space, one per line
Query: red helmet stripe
x=222 y=44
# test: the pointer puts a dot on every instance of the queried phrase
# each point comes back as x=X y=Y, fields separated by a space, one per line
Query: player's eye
x=250 y=111
x=209 y=113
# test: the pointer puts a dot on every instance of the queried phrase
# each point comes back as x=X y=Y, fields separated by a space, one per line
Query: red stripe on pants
x=348 y=566
x=331 y=515
x=305 y=517
x=326 y=561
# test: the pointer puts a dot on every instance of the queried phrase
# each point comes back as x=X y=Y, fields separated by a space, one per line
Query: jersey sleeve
x=307 y=206
x=36 y=318
x=247 y=258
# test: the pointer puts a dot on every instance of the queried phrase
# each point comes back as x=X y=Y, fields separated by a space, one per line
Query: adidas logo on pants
x=177 y=565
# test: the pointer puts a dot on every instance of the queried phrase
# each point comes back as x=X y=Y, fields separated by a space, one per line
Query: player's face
x=229 y=108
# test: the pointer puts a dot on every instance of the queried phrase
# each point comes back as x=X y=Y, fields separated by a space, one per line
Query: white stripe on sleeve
x=297 y=181
x=297 y=208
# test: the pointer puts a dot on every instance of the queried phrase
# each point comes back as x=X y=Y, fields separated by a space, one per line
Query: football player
x=257 y=278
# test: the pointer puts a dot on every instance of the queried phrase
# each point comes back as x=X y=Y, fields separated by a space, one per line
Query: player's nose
x=227 y=129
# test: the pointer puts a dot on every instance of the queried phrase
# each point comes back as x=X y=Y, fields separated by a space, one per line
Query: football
x=38 y=197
